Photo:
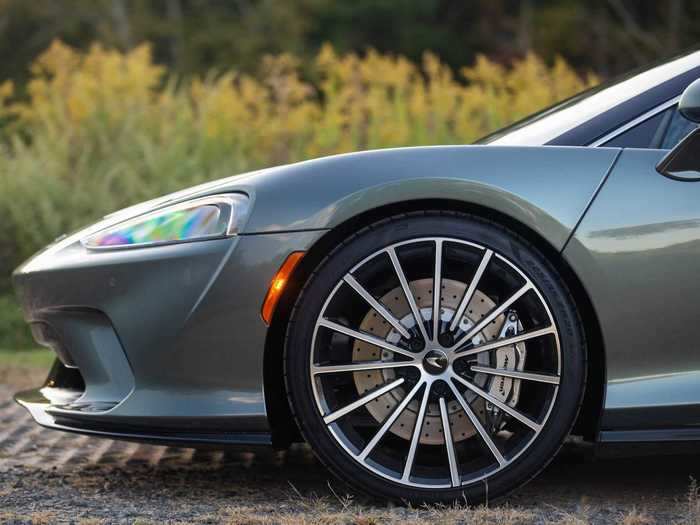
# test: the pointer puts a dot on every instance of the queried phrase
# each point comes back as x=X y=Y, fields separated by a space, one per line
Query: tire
x=363 y=445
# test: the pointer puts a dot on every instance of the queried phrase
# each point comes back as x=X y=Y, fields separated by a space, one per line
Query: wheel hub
x=435 y=362
x=505 y=389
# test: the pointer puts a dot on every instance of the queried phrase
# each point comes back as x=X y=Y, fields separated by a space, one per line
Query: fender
x=323 y=193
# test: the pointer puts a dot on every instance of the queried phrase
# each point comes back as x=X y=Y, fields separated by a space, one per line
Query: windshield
x=543 y=127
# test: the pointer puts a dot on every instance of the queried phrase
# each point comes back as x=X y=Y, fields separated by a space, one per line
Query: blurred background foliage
x=110 y=102
x=196 y=36
x=101 y=129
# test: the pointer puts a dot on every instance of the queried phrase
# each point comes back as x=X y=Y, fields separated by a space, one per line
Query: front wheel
x=433 y=357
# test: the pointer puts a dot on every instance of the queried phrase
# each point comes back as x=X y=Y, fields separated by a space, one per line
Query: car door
x=636 y=252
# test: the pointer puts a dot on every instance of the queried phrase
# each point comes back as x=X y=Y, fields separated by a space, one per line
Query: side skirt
x=649 y=436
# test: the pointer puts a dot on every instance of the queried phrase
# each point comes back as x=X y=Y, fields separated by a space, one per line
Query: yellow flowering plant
x=101 y=129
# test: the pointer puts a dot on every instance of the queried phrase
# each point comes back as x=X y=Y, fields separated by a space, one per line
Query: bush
x=14 y=332
x=102 y=129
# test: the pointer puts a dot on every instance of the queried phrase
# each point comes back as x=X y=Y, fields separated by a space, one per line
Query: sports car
x=433 y=321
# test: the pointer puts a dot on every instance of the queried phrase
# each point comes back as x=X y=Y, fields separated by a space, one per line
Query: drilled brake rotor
x=503 y=388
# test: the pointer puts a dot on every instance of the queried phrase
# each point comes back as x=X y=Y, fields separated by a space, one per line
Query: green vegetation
x=26 y=358
x=196 y=36
x=102 y=129
x=14 y=332
x=138 y=99
x=25 y=368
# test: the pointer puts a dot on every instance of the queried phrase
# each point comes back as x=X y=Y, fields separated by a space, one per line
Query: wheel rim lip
x=490 y=469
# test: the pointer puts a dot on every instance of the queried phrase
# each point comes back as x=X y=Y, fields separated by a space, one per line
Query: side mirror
x=689 y=104
x=683 y=161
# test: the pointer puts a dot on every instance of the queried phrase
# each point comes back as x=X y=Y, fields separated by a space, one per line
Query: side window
x=642 y=135
x=662 y=131
x=678 y=127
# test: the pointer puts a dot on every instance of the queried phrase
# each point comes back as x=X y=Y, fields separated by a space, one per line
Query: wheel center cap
x=435 y=362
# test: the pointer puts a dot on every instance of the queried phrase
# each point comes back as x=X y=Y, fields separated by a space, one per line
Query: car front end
x=154 y=314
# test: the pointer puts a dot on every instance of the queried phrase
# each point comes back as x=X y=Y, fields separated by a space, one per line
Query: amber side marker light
x=277 y=285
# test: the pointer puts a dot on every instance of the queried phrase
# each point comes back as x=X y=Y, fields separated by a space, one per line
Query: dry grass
x=692 y=511
x=318 y=512
x=297 y=509
x=247 y=488
x=325 y=513
x=357 y=515
x=32 y=518
x=91 y=521
x=635 y=517
x=19 y=377
x=20 y=369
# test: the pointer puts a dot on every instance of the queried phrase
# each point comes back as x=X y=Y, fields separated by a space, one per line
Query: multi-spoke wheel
x=435 y=356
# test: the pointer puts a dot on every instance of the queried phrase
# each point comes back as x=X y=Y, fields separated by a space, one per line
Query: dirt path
x=48 y=477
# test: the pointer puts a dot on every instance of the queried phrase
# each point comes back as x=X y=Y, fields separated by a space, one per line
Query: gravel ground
x=53 y=477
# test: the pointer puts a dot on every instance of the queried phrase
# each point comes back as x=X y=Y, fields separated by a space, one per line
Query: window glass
x=662 y=131
x=678 y=127
x=549 y=124
x=642 y=135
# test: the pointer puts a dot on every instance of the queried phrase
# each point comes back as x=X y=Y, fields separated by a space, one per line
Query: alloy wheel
x=435 y=362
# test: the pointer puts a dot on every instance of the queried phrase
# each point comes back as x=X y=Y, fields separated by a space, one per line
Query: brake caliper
x=510 y=357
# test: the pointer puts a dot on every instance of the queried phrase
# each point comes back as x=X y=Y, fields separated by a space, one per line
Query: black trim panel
x=649 y=436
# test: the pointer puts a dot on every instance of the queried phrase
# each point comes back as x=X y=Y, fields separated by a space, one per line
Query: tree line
x=195 y=36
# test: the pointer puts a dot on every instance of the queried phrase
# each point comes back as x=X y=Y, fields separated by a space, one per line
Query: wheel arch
x=284 y=429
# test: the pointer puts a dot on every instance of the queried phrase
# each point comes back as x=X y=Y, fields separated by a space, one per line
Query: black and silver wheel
x=432 y=357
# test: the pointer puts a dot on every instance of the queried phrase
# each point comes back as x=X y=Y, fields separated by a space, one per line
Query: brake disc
x=504 y=389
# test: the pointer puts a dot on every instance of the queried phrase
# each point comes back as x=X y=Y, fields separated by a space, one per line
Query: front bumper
x=44 y=405
x=168 y=341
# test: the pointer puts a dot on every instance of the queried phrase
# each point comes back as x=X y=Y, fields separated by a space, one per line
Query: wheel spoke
x=367 y=338
x=491 y=316
x=369 y=405
x=358 y=367
x=507 y=409
x=415 y=438
x=437 y=289
x=407 y=293
x=389 y=421
x=449 y=445
x=478 y=426
x=500 y=343
x=330 y=418
x=515 y=374
x=377 y=306
x=469 y=293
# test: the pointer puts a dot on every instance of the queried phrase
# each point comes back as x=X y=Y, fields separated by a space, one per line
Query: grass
x=322 y=512
x=254 y=515
x=32 y=518
x=29 y=358
x=21 y=369
x=14 y=330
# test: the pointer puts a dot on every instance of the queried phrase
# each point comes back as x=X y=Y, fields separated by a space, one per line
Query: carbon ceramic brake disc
x=503 y=388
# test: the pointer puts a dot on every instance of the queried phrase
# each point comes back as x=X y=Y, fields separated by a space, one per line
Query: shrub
x=100 y=130
x=14 y=332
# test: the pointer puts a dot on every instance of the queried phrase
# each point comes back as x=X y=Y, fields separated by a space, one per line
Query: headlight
x=199 y=219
